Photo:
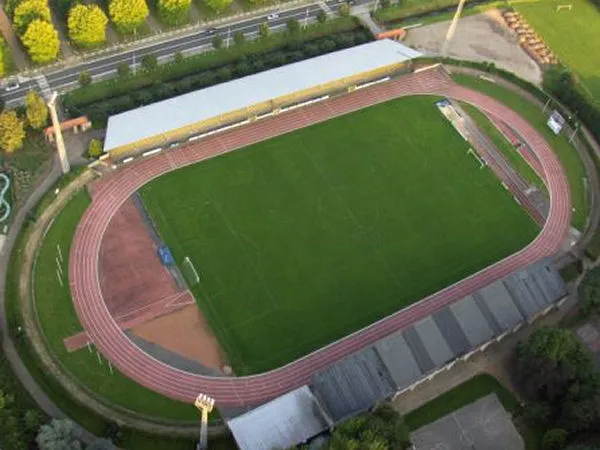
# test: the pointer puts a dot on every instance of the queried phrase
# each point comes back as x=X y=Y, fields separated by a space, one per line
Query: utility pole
x=306 y=18
x=452 y=28
x=205 y=404
x=60 y=144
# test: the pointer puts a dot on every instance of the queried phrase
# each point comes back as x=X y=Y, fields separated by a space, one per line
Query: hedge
x=99 y=111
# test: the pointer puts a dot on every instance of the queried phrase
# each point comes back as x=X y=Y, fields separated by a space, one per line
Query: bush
x=264 y=30
x=589 y=293
x=85 y=78
x=12 y=131
x=95 y=149
x=149 y=63
x=321 y=16
x=293 y=26
x=239 y=37
x=554 y=439
x=217 y=42
x=123 y=69
x=344 y=10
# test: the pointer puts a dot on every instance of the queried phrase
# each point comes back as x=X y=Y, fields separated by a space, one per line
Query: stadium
x=313 y=221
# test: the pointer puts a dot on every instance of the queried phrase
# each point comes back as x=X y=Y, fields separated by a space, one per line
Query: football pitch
x=573 y=34
x=305 y=238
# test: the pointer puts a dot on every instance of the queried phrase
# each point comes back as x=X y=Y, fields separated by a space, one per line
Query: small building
x=189 y=116
x=289 y=420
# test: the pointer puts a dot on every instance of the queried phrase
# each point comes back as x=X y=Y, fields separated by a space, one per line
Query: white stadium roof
x=157 y=118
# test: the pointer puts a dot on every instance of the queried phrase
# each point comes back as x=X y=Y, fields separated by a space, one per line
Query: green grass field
x=573 y=35
x=307 y=237
x=568 y=156
x=58 y=320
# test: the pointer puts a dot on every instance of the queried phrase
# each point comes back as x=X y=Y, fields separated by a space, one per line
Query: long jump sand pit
x=186 y=333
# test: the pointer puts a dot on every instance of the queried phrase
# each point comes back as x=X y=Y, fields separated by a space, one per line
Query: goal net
x=189 y=272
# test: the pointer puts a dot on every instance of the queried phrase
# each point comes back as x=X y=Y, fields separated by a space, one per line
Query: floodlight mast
x=452 y=28
x=205 y=404
x=60 y=144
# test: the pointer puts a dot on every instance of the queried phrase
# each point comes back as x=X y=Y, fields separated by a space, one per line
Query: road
x=200 y=40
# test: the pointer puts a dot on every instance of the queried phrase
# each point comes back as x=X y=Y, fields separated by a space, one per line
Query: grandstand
x=191 y=116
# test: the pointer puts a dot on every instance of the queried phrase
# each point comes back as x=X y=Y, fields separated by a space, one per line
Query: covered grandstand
x=191 y=116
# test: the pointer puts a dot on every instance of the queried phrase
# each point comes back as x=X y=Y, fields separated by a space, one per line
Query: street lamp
x=205 y=404
x=452 y=28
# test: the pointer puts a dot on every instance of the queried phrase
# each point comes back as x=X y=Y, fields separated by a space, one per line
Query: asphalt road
x=104 y=67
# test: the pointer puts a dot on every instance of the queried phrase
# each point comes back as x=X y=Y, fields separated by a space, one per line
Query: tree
x=554 y=439
x=123 y=69
x=41 y=41
x=59 y=435
x=589 y=293
x=344 y=10
x=87 y=25
x=382 y=429
x=10 y=7
x=36 y=110
x=85 y=79
x=128 y=15
x=32 y=420
x=217 y=41
x=12 y=131
x=218 y=5
x=174 y=12
x=178 y=58
x=95 y=148
x=322 y=16
x=29 y=10
x=264 y=30
x=293 y=26
x=554 y=369
x=149 y=63
x=239 y=37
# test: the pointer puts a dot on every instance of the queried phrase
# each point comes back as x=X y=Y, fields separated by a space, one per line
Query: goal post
x=189 y=272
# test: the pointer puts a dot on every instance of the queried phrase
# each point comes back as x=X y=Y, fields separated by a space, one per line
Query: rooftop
x=151 y=120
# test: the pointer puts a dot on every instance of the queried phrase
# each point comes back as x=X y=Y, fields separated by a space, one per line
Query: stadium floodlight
x=452 y=28
x=205 y=404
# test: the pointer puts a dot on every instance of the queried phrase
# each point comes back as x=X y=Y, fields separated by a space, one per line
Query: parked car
x=11 y=84
x=273 y=16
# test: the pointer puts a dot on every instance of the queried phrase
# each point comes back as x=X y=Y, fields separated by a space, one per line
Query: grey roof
x=452 y=332
x=353 y=385
x=151 y=120
x=399 y=359
x=286 y=421
x=475 y=326
x=435 y=344
x=500 y=303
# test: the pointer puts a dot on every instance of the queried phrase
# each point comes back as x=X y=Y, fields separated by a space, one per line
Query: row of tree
x=32 y=23
x=12 y=127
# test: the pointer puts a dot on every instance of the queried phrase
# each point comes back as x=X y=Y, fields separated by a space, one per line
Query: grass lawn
x=573 y=35
x=566 y=153
x=511 y=154
x=58 y=320
x=477 y=387
x=305 y=238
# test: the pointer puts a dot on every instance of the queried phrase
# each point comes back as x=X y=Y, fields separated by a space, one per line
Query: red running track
x=116 y=188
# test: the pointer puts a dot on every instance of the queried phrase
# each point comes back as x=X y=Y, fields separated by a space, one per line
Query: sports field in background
x=305 y=238
x=574 y=35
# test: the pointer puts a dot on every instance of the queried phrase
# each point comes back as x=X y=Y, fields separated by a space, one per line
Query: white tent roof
x=151 y=120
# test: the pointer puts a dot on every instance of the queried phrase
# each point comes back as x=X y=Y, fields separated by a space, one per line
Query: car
x=11 y=84
x=273 y=16
x=211 y=31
